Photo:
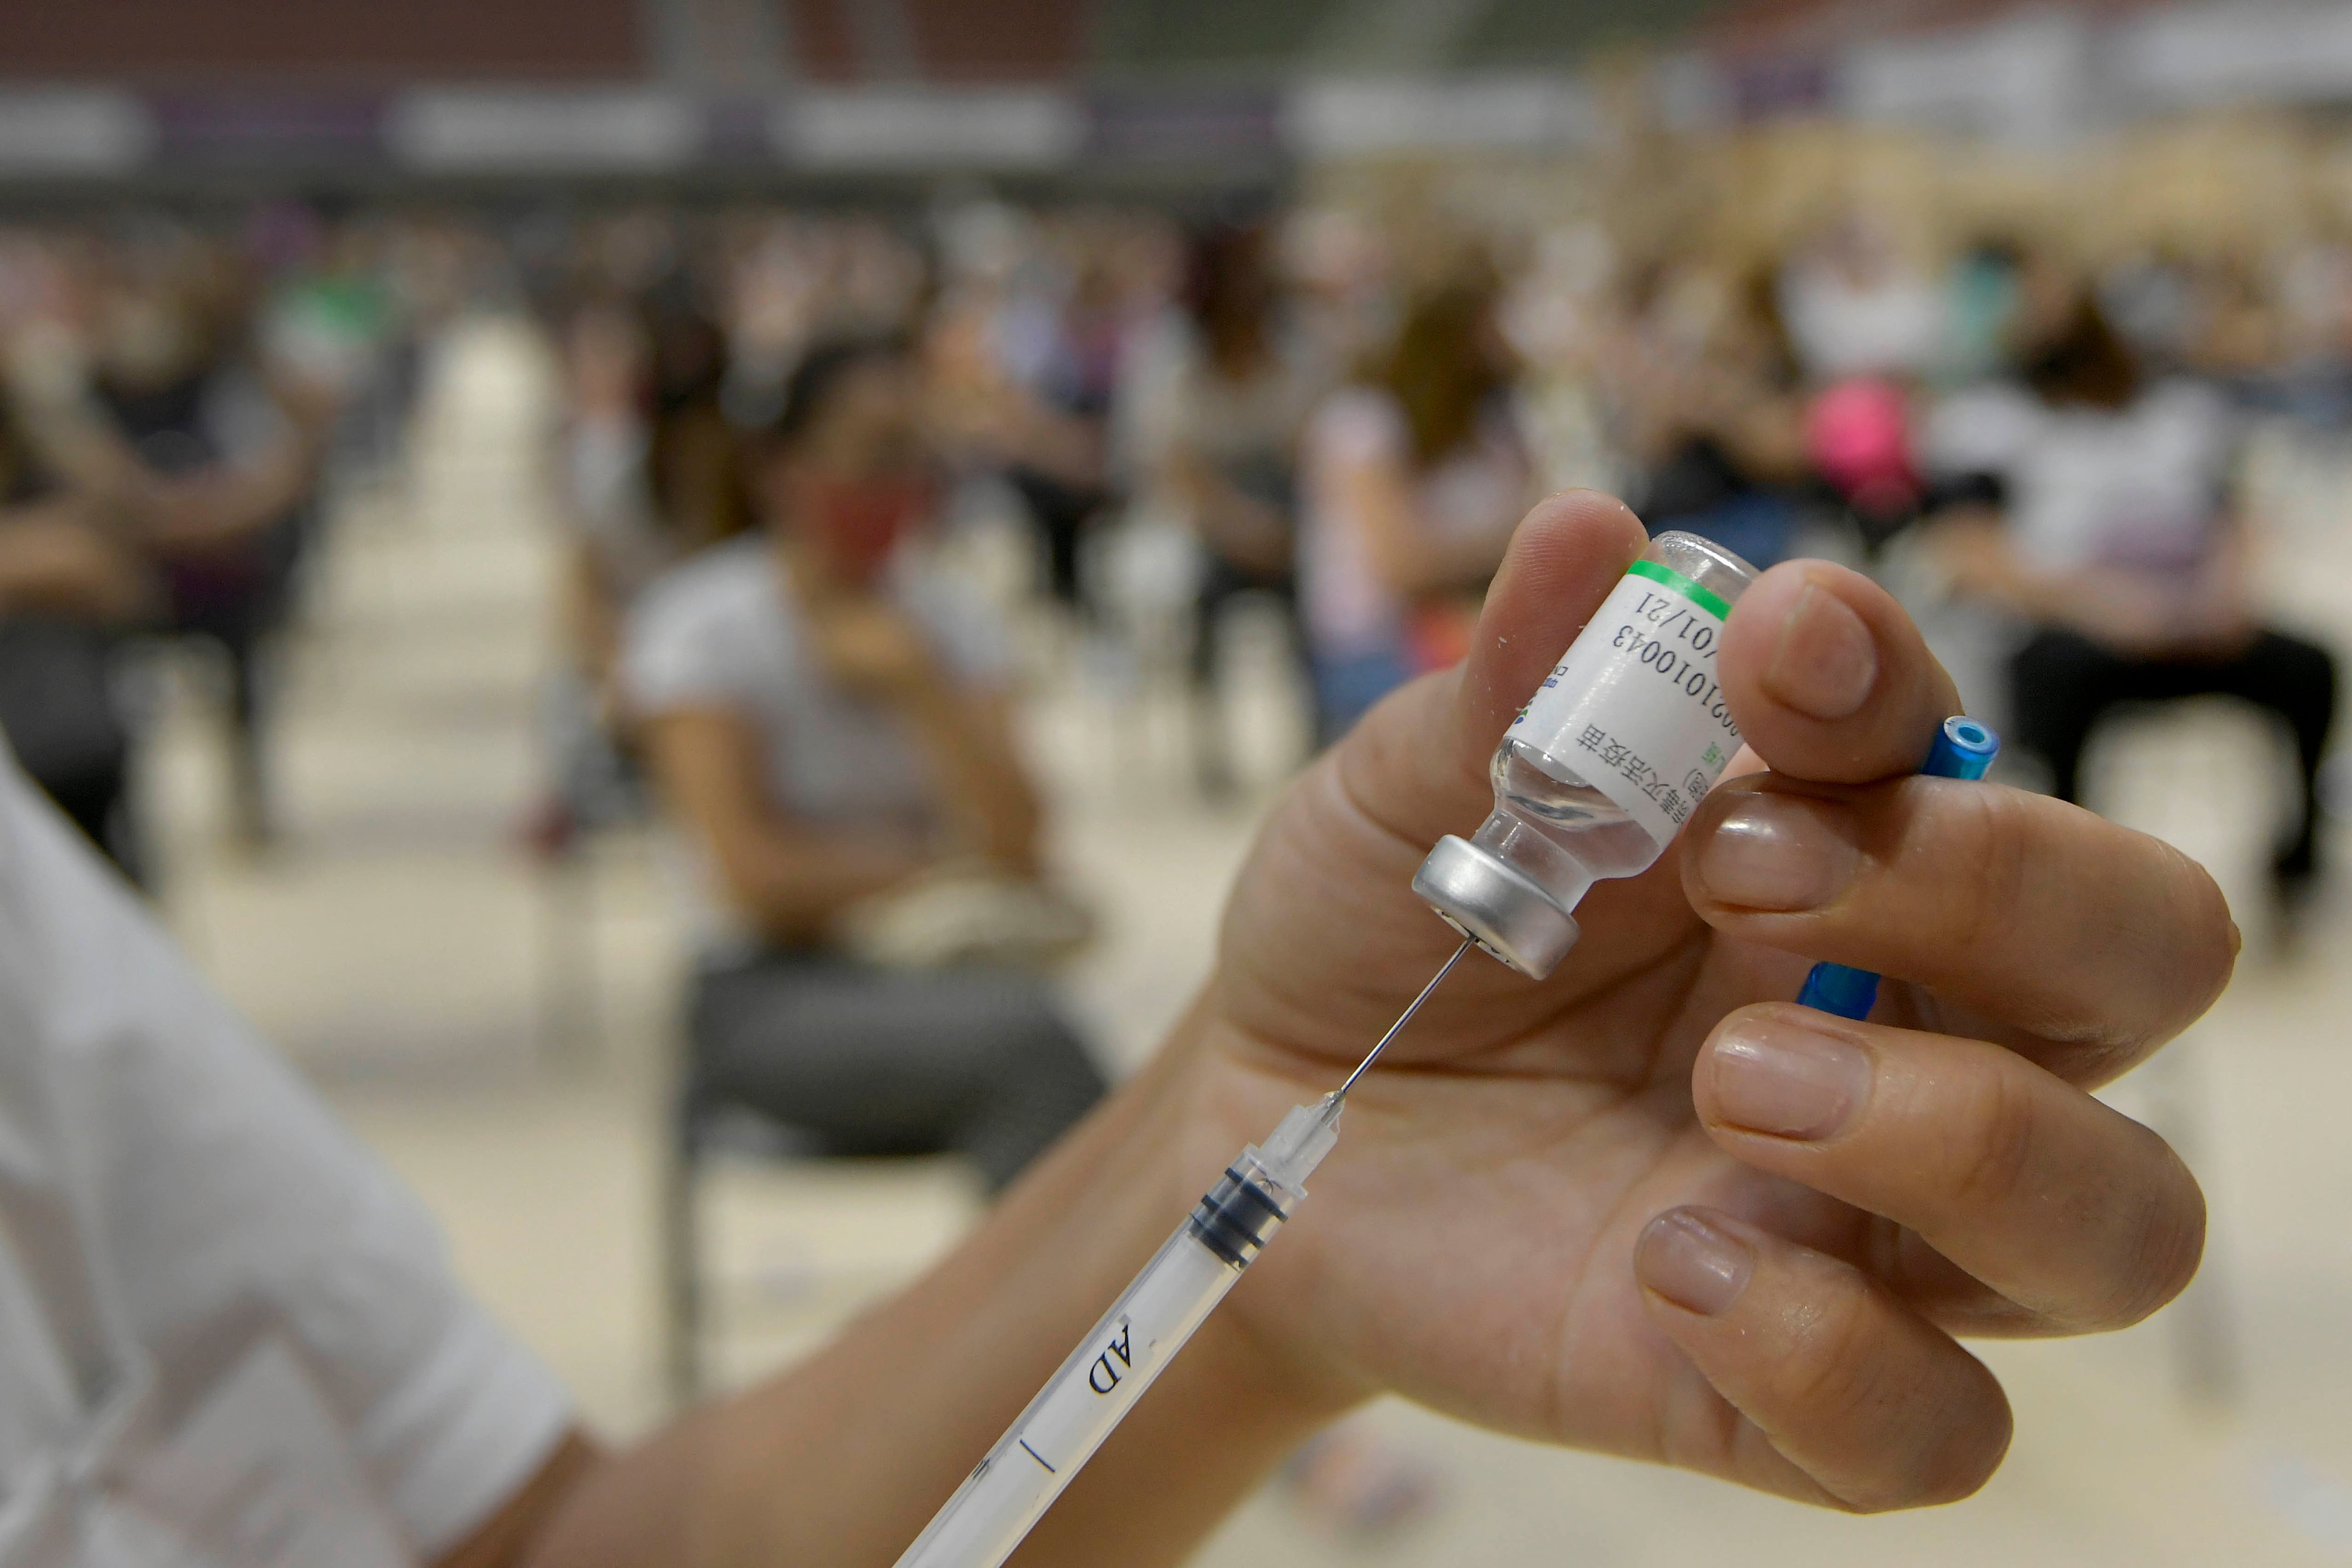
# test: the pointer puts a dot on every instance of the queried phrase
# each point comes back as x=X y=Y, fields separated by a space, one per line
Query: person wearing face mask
x=828 y=720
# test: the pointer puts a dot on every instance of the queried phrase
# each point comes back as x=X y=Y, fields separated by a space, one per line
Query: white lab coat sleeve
x=214 y=1181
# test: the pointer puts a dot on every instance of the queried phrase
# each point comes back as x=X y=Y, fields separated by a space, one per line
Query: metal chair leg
x=682 y=1303
x=571 y=1020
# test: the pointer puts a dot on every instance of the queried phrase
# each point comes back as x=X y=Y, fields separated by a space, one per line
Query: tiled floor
x=498 y=1035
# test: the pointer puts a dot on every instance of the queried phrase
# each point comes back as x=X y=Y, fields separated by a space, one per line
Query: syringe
x=1093 y=1391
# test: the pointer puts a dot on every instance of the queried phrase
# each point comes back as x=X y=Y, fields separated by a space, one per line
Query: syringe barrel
x=1094 y=1389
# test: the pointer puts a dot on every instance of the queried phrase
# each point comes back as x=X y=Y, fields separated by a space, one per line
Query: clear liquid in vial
x=1551 y=822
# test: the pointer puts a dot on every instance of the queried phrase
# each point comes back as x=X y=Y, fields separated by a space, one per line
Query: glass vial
x=1605 y=763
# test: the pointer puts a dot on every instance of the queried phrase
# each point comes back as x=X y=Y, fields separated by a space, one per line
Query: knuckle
x=1939 y=1436
x=2165 y=1244
x=1837 y=1377
x=1996 y=1145
x=1995 y=853
x=2148 y=920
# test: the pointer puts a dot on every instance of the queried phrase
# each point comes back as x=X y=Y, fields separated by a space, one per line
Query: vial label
x=1633 y=707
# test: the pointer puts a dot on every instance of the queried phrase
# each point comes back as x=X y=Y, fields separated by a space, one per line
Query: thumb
x=1417 y=763
x=1323 y=932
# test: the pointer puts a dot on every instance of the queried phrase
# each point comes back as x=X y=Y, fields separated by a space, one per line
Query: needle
x=1402 y=1019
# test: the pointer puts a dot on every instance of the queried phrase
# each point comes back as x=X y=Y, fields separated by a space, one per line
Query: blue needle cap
x=1964 y=748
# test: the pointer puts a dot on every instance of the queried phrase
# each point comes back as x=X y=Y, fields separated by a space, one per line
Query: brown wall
x=1000 y=40
x=326 y=42
x=954 y=40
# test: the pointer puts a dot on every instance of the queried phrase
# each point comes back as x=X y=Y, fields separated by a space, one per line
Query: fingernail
x=1769 y=1074
x=1826 y=661
x=1778 y=852
x=1699 y=1266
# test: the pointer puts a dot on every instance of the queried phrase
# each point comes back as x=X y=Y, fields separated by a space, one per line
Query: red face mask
x=859 y=522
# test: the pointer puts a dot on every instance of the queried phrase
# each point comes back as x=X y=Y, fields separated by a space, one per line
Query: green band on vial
x=1706 y=599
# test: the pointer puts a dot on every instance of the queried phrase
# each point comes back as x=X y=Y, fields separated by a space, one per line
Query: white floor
x=499 y=1034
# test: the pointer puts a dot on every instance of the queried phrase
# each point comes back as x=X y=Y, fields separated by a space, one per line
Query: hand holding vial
x=1646 y=1204
x=1649 y=1207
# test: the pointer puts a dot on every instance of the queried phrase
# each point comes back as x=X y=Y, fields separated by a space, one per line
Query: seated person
x=69 y=587
x=212 y=457
x=1218 y=394
x=2097 y=505
x=1410 y=476
x=1647 y=1208
x=1714 y=414
x=828 y=720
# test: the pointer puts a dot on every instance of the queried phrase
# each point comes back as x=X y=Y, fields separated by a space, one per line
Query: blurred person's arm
x=1156 y=409
x=201 y=512
x=2117 y=610
x=787 y=881
x=1408 y=555
x=223 y=503
x=1761 y=428
x=273 y=437
x=1067 y=447
x=593 y=613
x=1651 y=390
x=1237 y=526
x=984 y=787
x=964 y=731
x=2222 y=602
x=54 y=560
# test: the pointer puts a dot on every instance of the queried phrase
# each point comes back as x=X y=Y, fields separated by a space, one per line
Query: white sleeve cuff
x=474 y=1423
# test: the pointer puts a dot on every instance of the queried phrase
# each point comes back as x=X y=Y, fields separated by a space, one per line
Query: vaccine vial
x=1606 y=761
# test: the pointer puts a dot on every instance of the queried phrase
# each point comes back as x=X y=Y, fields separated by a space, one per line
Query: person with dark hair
x=1055 y=426
x=647 y=473
x=1714 y=412
x=1411 y=476
x=829 y=722
x=2097 y=505
x=211 y=458
x=69 y=586
x=692 y=464
x=1217 y=401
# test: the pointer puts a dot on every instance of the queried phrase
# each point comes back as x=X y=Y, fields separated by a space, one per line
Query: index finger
x=1829 y=680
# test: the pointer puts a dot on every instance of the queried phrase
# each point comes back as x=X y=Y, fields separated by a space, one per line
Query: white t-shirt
x=1170 y=395
x=227 y=1334
x=1480 y=489
x=2138 y=488
x=1841 y=327
x=610 y=500
x=722 y=631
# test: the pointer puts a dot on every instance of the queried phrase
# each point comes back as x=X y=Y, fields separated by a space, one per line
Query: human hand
x=58 y=563
x=1649 y=1207
x=870 y=645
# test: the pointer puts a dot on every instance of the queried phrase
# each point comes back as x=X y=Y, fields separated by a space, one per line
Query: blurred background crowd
x=697 y=634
